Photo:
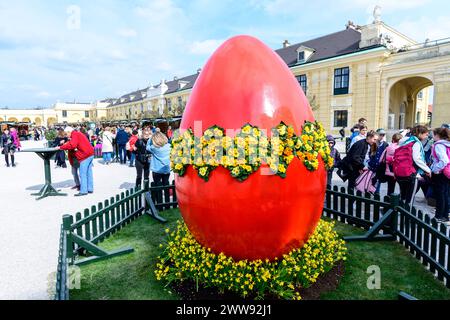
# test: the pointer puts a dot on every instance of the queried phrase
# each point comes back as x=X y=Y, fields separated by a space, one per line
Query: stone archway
x=76 y=117
x=51 y=121
x=38 y=121
x=403 y=101
x=26 y=119
x=12 y=119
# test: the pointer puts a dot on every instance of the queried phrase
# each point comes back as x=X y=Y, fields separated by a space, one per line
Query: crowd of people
x=147 y=149
x=416 y=158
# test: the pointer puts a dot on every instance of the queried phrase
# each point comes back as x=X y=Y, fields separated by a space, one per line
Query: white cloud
x=295 y=8
x=117 y=54
x=164 y=66
x=426 y=27
x=388 y=5
x=127 y=33
x=205 y=47
x=160 y=10
x=43 y=94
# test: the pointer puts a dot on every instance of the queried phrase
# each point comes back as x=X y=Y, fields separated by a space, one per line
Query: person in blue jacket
x=121 y=140
x=159 y=147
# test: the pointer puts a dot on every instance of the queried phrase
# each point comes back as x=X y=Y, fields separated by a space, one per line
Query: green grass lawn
x=131 y=277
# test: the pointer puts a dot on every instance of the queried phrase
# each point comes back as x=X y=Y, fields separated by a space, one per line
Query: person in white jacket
x=441 y=182
x=107 y=145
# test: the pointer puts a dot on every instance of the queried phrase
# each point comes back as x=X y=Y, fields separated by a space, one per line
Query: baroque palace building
x=370 y=71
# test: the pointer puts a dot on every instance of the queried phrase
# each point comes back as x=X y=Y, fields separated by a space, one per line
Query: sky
x=59 y=50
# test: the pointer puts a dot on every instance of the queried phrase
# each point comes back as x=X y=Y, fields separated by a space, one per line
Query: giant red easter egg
x=264 y=216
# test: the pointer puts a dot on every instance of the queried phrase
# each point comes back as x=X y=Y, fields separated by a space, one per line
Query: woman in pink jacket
x=388 y=156
x=16 y=139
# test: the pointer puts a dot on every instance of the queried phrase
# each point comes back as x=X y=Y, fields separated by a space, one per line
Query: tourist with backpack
x=356 y=160
x=440 y=168
x=409 y=163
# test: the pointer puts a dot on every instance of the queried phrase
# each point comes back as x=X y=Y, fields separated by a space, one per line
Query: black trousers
x=142 y=168
x=352 y=177
x=391 y=185
x=161 y=179
x=60 y=159
x=7 y=155
x=407 y=188
x=441 y=187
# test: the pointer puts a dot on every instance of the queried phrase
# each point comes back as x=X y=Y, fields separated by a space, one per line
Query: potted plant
x=50 y=136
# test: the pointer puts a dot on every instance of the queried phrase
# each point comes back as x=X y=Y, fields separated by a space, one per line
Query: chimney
x=175 y=78
x=286 y=44
x=199 y=70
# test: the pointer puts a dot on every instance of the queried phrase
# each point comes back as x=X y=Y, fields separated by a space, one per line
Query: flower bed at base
x=184 y=259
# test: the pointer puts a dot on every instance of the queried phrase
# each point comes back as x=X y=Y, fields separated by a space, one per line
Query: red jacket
x=132 y=142
x=81 y=145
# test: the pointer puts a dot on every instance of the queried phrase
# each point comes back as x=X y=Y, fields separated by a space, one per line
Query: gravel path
x=29 y=229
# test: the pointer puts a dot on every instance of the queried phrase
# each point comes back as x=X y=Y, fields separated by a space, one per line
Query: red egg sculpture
x=264 y=216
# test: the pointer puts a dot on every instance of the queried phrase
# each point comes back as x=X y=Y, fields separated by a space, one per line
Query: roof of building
x=325 y=47
x=134 y=96
x=174 y=85
x=328 y=46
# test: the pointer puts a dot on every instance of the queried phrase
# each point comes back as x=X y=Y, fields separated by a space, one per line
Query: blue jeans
x=122 y=153
x=107 y=156
x=86 y=175
x=133 y=157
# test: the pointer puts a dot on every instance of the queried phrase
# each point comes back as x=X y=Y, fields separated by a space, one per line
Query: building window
x=341 y=80
x=419 y=117
x=301 y=56
x=86 y=114
x=420 y=95
x=303 y=81
x=169 y=104
x=142 y=108
x=340 y=118
x=180 y=101
x=64 y=114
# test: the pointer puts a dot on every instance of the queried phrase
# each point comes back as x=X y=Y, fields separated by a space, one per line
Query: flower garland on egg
x=249 y=149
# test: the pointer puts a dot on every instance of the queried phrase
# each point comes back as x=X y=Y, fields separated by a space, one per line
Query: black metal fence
x=391 y=219
x=81 y=233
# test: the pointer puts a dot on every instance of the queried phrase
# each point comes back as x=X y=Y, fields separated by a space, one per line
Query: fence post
x=394 y=203
x=67 y=224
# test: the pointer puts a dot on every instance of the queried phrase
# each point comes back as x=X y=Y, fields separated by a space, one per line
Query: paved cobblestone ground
x=29 y=229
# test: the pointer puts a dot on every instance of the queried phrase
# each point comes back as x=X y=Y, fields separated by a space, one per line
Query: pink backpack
x=403 y=163
x=446 y=170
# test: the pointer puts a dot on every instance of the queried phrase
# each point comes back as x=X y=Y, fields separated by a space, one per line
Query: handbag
x=364 y=182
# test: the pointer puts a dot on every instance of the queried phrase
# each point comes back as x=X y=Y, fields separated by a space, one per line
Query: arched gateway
x=407 y=75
